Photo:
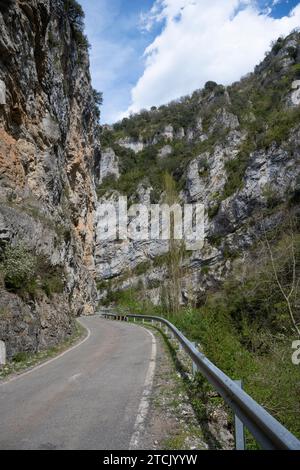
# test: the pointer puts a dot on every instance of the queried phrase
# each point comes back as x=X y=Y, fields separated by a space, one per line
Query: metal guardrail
x=267 y=431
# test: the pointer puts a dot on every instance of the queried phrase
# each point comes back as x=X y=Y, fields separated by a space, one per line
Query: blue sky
x=148 y=52
x=118 y=44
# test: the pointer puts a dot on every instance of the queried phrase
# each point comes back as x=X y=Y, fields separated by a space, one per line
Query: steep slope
x=235 y=149
x=48 y=151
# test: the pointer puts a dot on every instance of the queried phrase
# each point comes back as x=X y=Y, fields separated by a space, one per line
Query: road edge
x=144 y=403
x=49 y=361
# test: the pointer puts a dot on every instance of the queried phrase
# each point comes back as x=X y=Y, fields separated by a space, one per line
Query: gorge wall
x=49 y=149
x=234 y=149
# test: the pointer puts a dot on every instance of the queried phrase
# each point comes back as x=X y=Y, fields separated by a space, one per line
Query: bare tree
x=175 y=255
x=289 y=289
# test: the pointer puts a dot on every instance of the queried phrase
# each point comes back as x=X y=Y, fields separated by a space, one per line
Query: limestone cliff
x=235 y=149
x=48 y=153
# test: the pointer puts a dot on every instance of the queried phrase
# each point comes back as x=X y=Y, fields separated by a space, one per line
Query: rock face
x=48 y=154
x=109 y=165
x=234 y=149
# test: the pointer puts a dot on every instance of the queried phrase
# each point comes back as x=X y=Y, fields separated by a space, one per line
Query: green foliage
x=98 y=97
x=160 y=260
x=126 y=301
x=53 y=284
x=280 y=125
x=205 y=269
x=278 y=45
x=142 y=268
x=271 y=197
x=108 y=183
x=25 y=273
x=102 y=284
x=107 y=138
x=20 y=357
x=203 y=167
x=98 y=100
x=235 y=170
x=296 y=70
x=18 y=267
x=75 y=13
x=292 y=52
x=181 y=113
x=213 y=210
x=81 y=40
x=153 y=284
x=210 y=86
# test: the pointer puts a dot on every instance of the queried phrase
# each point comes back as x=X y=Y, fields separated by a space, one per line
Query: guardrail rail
x=268 y=432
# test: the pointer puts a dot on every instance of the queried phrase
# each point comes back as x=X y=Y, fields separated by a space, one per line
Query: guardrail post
x=2 y=353
x=239 y=428
x=194 y=366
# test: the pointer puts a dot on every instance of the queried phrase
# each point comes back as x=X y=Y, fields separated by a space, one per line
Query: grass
x=23 y=361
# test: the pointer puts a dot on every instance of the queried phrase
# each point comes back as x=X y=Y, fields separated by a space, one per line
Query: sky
x=148 y=52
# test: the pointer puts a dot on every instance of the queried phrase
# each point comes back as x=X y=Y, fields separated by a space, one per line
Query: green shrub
x=205 y=269
x=25 y=273
x=203 y=167
x=210 y=86
x=81 y=40
x=153 y=284
x=280 y=126
x=103 y=284
x=271 y=197
x=19 y=268
x=20 y=357
x=75 y=14
x=296 y=70
x=161 y=260
x=53 y=284
x=213 y=211
x=292 y=52
x=235 y=170
x=277 y=46
x=142 y=268
x=50 y=278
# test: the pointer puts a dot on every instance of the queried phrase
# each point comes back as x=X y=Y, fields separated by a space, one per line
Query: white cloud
x=204 y=40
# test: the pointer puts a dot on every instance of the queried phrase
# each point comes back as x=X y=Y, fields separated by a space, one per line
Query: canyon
x=234 y=149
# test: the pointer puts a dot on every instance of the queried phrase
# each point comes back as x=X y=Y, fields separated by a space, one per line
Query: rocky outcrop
x=132 y=144
x=48 y=153
x=109 y=165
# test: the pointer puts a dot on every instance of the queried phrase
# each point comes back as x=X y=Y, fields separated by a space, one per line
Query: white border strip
x=144 y=404
x=50 y=360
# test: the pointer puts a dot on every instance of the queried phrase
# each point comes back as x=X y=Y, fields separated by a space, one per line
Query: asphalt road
x=86 y=399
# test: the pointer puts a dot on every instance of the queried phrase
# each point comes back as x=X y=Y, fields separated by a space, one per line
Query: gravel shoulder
x=178 y=419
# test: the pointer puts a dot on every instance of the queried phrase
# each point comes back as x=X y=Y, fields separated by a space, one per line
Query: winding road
x=91 y=397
